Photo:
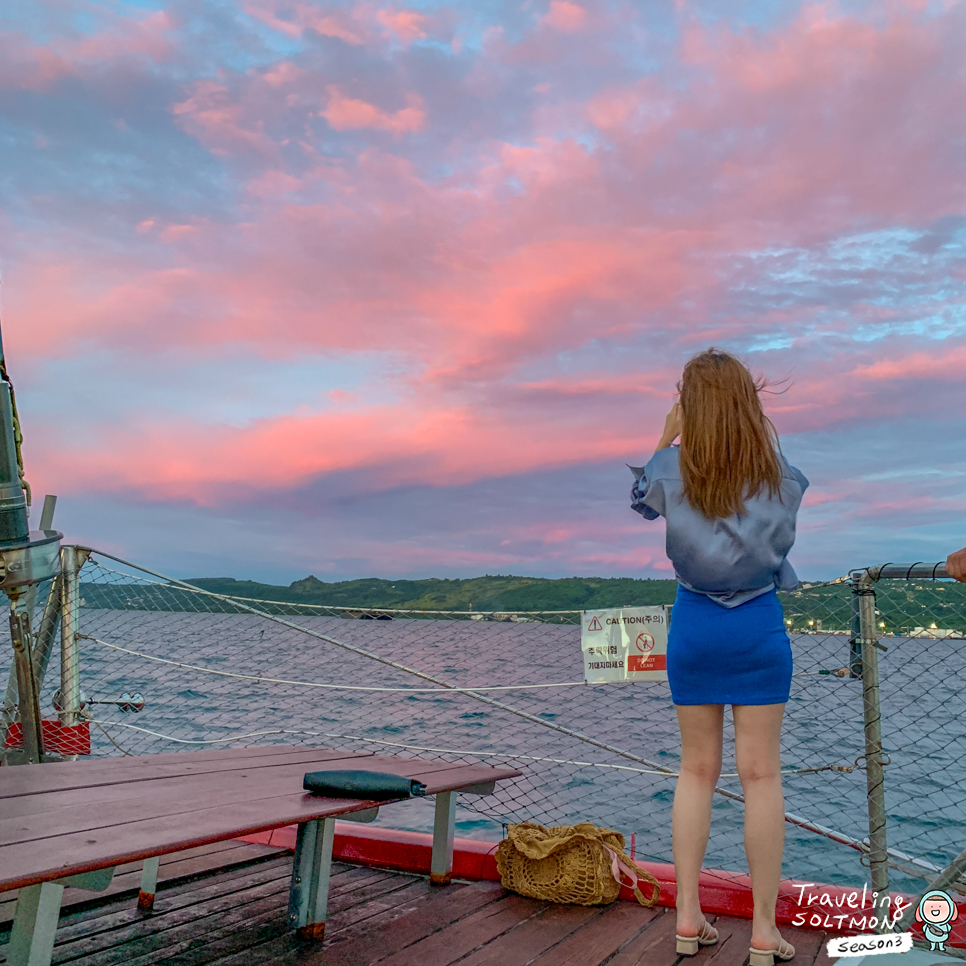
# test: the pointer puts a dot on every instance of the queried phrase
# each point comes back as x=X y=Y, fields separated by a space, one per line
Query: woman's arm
x=673 y=424
x=654 y=489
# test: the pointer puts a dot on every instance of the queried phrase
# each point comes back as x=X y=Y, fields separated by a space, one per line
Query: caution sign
x=624 y=644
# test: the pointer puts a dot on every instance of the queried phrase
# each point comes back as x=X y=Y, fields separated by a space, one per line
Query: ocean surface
x=208 y=698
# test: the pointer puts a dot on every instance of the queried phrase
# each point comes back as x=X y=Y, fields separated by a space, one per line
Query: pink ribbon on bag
x=617 y=867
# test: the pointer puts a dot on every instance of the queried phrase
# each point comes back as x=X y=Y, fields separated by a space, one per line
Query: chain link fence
x=167 y=667
x=920 y=626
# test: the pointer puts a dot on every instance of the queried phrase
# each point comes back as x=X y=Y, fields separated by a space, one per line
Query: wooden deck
x=227 y=905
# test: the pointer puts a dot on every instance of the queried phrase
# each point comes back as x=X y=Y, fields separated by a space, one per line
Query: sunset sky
x=359 y=289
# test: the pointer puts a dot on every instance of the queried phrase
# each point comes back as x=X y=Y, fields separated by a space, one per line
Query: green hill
x=900 y=605
x=490 y=593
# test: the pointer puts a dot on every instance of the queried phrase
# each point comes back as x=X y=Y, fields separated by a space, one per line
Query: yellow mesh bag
x=580 y=864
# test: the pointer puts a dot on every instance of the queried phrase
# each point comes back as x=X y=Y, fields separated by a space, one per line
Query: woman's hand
x=956 y=565
x=673 y=424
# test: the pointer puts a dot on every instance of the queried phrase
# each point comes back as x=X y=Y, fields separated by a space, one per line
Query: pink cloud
x=149 y=37
x=945 y=363
x=407 y=25
x=284 y=73
x=624 y=386
x=272 y=183
x=347 y=113
x=854 y=91
x=292 y=19
x=28 y=66
x=201 y=463
x=558 y=535
x=211 y=115
x=338 y=26
x=565 y=15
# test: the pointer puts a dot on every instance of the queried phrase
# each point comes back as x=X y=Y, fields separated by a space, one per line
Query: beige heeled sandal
x=688 y=945
x=767 y=957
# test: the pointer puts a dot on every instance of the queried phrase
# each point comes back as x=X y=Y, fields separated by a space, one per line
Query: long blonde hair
x=729 y=447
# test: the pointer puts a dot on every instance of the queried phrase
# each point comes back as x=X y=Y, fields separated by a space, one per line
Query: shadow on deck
x=228 y=906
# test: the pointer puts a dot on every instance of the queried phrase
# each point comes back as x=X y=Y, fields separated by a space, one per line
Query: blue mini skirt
x=728 y=655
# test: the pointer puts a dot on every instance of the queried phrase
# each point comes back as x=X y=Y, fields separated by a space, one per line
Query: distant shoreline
x=488 y=593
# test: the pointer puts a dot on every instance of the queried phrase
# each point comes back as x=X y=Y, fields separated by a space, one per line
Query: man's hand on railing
x=956 y=565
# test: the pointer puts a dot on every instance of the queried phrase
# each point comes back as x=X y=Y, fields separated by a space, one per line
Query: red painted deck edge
x=722 y=893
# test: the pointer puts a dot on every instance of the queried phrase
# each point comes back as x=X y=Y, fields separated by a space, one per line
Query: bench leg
x=34 y=925
x=444 y=829
x=149 y=883
x=309 y=893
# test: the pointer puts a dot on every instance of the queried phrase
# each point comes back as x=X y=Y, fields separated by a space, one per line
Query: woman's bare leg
x=758 y=756
x=701 y=729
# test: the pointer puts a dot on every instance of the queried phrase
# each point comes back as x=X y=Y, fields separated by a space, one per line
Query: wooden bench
x=70 y=824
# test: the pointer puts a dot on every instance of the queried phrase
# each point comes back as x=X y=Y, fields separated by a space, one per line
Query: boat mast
x=13 y=498
x=26 y=558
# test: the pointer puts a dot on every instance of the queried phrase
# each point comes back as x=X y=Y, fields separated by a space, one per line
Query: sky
x=368 y=289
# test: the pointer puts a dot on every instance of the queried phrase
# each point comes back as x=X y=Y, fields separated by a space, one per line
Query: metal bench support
x=309 y=894
x=35 y=924
x=149 y=883
x=308 y=897
x=38 y=909
x=444 y=831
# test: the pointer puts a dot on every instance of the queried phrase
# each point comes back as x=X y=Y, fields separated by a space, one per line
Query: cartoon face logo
x=644 y=643
x=937 y=912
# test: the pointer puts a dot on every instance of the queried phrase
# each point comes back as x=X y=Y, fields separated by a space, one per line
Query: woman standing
x=730 y=501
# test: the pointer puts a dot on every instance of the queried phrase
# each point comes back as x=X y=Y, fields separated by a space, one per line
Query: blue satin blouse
x=732 y=559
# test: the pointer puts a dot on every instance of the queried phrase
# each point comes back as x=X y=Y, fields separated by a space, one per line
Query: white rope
x=315 y=684
x=110 y=738
x=390 y=744
x=439 y=751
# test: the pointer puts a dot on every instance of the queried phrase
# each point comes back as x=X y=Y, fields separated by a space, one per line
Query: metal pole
x=912 y=571
x=863 y=591
x=8 y=710
x=46 y=630
x=71 y=562
x=855 y=640
x=33 y=733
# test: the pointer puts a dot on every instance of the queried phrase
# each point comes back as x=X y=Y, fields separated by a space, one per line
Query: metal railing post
x=72 y=559
x=855 y=638
x=863 y=600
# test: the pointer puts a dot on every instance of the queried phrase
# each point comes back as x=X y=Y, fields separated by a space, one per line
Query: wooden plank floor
x=228 y=906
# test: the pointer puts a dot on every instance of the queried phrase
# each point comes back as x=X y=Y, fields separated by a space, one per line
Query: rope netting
x=215 y=671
